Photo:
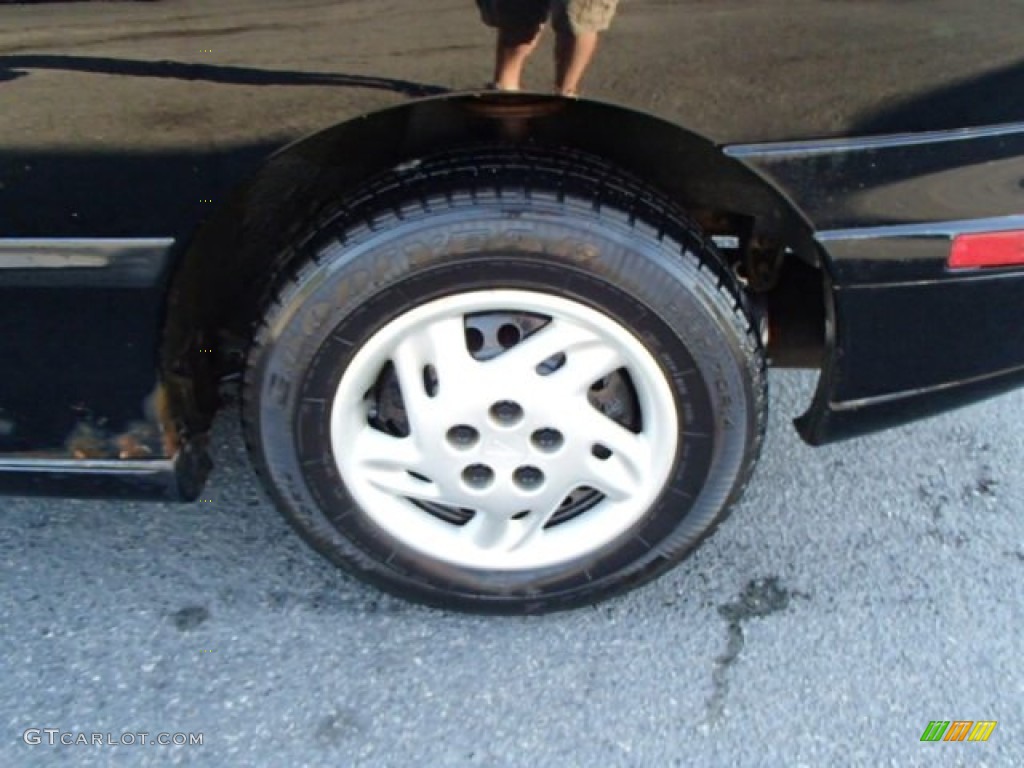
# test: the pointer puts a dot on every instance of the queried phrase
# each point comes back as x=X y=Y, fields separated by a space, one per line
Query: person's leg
x=573 y=53
x=519 y=24
x=513 y=49
x=577 y=25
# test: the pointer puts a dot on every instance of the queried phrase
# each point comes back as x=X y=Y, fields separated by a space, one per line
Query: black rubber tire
x=517 y=219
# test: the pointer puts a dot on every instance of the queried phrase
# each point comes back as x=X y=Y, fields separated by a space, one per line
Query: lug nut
x=547 y=440
x=478 y=476
x=463 y=436
x=506 y=412
x=528 y=478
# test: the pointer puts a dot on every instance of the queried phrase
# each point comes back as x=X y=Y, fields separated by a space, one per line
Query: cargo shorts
x=575 y=16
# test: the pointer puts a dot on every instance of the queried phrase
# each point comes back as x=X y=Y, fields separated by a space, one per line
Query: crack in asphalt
x=760 y=598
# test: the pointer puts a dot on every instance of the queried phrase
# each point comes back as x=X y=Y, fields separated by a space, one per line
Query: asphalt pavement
x=858 y=592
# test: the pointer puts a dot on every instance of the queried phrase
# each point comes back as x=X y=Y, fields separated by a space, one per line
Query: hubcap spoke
x=488 y=531
x=614 y=478
x=558 y=336
x=585 y=365
x=401 y=483
x=449 y=355
x=622 y=471
x=442 y=346
x=542 y=510
x=390 y=464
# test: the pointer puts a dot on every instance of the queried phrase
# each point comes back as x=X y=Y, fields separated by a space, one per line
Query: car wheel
x=507 y=382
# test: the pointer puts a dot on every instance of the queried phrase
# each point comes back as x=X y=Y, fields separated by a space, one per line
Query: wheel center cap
x=503 y=448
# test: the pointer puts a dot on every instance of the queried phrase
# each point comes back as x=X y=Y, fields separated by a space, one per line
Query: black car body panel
x=153 y=166
x=910 y=336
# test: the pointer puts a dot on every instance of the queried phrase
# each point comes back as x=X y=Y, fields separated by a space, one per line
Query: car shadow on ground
x=13 y=67
x=992 y=98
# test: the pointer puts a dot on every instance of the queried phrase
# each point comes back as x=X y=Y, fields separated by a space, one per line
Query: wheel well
x=240 y=253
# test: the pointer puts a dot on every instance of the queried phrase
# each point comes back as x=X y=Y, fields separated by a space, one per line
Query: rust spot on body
x=156 y=436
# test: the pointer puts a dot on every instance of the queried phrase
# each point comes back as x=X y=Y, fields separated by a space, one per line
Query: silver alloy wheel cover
x=383 y=472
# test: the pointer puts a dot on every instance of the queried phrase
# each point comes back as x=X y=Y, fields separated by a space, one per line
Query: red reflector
x=987 y=249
